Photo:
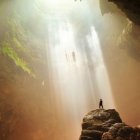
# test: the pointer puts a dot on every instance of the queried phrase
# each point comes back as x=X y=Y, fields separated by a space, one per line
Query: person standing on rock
x=101 y=104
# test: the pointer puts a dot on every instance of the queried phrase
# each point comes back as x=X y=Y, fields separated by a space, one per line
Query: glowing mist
x=76 y=87
x=77 y=74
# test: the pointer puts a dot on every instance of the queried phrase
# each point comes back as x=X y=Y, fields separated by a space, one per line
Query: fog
x=58 y=58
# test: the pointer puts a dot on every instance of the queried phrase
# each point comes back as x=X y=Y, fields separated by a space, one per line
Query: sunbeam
x=59 y=58
x=78 y=73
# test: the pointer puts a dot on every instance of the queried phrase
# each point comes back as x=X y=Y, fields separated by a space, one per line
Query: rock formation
x=103 y=124
x=129 y=7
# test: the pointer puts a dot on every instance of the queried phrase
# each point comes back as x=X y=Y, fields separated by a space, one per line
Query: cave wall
x=131 y=8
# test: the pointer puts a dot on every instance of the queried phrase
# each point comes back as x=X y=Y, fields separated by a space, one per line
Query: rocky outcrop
x=131 y=8
x=103 y=124
x=121 y=131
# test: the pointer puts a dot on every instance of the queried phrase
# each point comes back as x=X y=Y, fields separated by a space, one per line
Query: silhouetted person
x=101 y=104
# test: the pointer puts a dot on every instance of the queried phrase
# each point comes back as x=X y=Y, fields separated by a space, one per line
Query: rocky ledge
x=103 y=124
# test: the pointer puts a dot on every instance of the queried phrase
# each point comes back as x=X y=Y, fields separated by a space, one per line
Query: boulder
x=101 y=124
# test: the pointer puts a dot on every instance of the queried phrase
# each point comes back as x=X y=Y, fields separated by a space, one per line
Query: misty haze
x=58 y=58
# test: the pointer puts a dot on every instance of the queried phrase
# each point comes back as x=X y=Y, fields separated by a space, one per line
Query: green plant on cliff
x=14 y=45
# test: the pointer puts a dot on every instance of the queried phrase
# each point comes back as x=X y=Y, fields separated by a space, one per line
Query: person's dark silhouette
x=101 y=104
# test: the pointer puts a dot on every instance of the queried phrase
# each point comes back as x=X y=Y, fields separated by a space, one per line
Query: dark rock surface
x=103 y=124
x=131 y=8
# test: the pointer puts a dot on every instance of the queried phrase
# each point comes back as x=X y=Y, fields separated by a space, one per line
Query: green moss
x=14 y=44
x=10 y=52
